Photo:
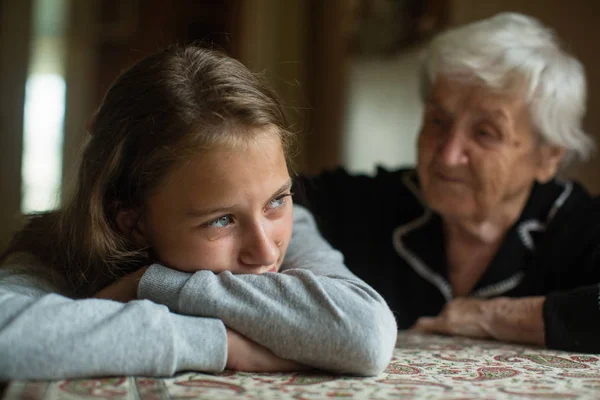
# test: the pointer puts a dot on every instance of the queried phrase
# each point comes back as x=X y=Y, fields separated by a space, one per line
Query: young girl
x=183 y=199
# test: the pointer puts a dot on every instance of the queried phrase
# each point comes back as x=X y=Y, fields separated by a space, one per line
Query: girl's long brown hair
x=165 y=108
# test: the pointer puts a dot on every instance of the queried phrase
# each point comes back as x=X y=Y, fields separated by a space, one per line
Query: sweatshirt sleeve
x=44 y=335
x=315 y=311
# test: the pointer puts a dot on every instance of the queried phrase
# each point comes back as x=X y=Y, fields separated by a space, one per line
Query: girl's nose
x=259 y=249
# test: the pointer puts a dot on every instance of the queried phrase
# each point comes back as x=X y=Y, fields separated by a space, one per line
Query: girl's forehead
x=258 y=154
x=223 y=178
x=228 y=155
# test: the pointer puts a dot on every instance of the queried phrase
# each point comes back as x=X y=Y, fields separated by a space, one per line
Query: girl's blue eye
x=278 y=202
x=220 y=222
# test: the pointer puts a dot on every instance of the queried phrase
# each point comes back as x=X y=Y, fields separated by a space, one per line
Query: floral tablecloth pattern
x=423 y=367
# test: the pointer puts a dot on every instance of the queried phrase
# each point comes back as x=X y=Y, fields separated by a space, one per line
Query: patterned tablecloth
x=424 y=367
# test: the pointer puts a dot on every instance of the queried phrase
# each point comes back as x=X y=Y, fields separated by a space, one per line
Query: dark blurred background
x=346 y=69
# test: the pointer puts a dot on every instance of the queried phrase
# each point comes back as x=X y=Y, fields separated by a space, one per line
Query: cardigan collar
x=421 y=241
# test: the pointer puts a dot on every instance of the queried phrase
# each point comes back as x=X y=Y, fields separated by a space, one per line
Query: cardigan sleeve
x=570 y=259
x=572 y=319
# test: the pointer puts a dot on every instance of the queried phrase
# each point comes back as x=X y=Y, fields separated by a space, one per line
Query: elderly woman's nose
x=451 y=150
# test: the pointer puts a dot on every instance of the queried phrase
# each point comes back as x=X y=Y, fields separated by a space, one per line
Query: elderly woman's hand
x=512 y=320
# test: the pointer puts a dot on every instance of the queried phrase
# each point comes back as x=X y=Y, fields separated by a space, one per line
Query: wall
x=383 y=112
x=299 y=44
x=15 y=23
x=273 y=42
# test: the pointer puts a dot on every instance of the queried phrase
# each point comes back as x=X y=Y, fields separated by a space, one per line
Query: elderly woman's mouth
x=450 y=178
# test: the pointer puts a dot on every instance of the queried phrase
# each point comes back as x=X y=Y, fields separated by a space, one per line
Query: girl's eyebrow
x=285 y=188
x=201 y=213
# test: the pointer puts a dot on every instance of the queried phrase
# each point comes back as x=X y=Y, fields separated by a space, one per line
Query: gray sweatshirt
x=314 y=311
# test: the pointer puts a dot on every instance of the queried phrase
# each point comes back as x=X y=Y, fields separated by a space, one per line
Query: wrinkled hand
x=123 y=290
x=511 y=320
x=461 y=317
x=245 y=355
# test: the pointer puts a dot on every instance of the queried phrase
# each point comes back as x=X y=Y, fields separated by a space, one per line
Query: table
x=423 y=366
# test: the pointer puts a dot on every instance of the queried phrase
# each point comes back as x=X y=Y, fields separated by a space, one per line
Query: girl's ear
x=130 y=225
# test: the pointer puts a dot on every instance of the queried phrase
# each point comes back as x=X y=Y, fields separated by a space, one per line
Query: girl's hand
x=245 y=355
x=123 y=290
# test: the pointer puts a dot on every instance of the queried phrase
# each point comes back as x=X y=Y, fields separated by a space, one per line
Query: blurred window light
x=44 y=112
x=42 y=142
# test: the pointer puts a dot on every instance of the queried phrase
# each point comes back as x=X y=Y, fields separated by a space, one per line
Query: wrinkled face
x=224 y=210
x=477 y=153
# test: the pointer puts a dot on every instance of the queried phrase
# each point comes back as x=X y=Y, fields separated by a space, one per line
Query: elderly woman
x=481 y=239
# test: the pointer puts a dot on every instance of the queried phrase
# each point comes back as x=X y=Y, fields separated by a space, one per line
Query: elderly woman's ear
x=549 y=162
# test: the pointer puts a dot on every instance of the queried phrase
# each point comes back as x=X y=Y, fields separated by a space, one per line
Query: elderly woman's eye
x=486 y=133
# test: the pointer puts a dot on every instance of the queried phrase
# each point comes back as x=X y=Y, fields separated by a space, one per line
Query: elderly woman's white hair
x=511 y=48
